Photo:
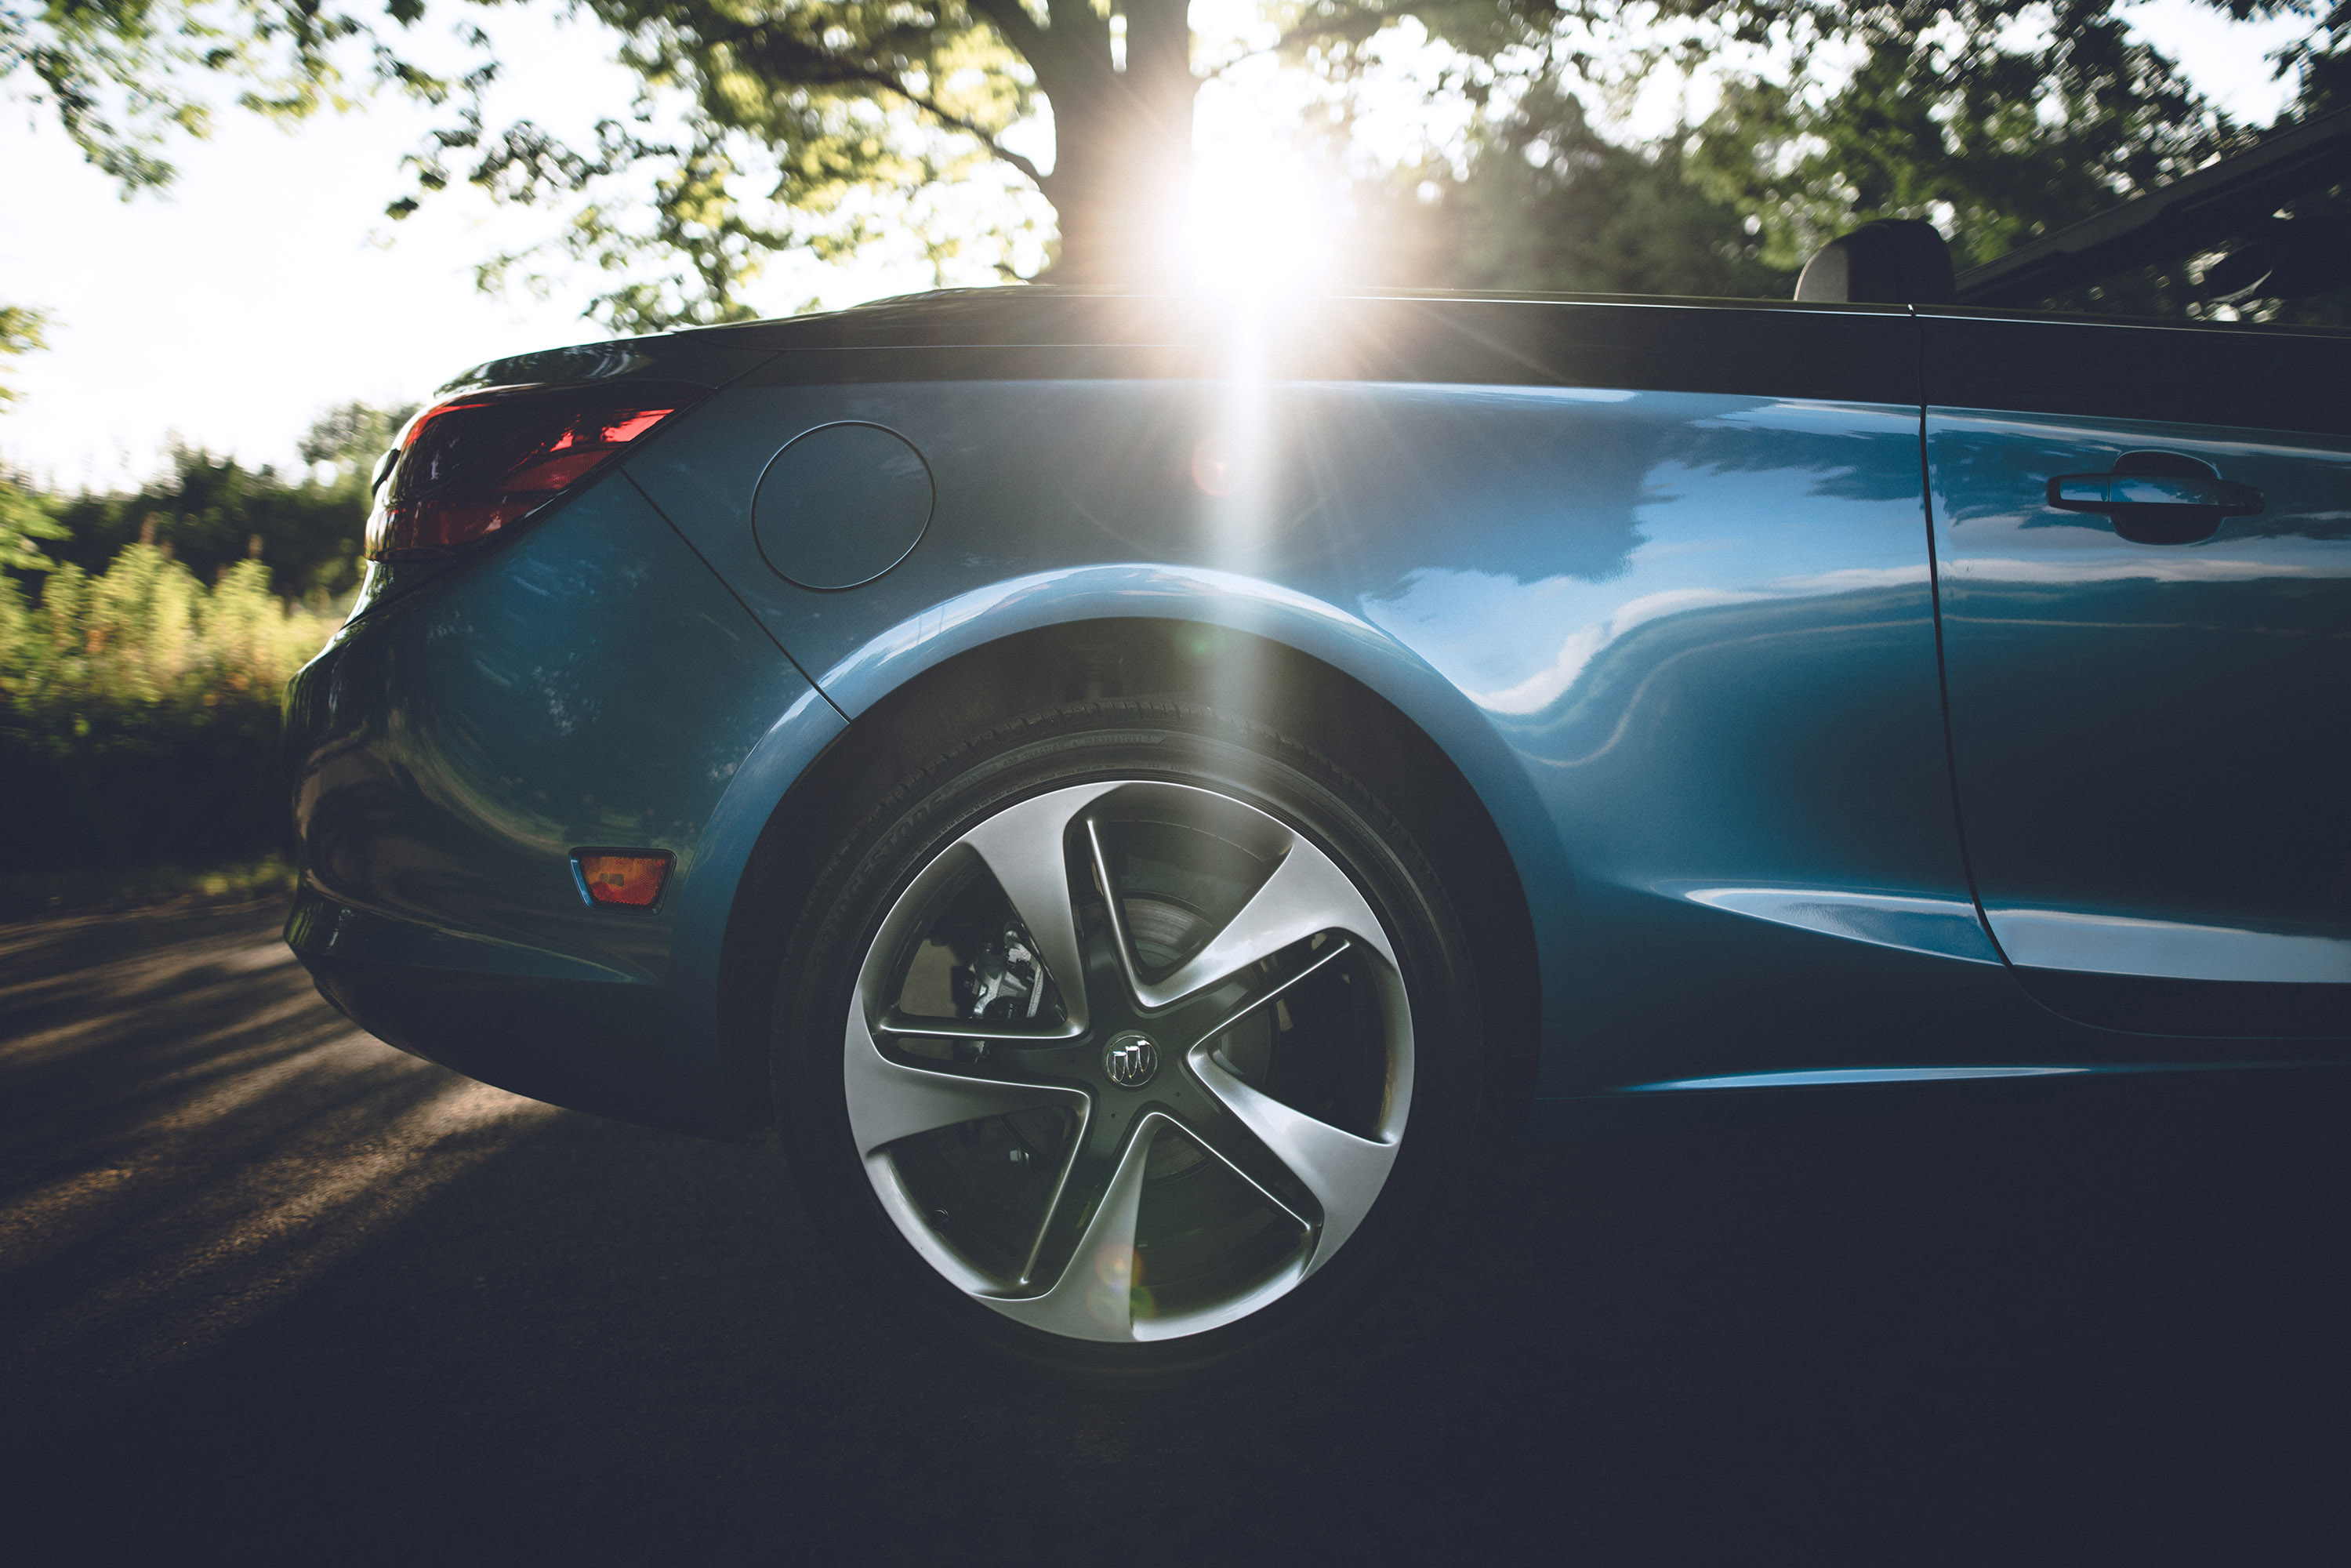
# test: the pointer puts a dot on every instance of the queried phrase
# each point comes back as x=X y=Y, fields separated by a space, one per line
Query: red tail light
x=469 y=467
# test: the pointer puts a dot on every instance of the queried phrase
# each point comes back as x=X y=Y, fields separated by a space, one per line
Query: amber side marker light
x=630 y=879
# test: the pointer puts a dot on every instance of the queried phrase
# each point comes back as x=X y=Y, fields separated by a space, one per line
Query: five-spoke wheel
x=1126 y=1051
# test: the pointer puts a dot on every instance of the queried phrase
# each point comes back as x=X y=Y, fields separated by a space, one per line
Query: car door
x=2143 y=560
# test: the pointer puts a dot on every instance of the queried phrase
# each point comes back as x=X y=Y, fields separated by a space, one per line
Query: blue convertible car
x=1140 y=792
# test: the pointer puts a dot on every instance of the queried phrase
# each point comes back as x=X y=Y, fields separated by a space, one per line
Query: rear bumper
x=588 y=683
x=568 y=1042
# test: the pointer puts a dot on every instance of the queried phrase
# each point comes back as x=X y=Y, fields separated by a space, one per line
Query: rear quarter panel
x=1680 y=643
x=589 y=683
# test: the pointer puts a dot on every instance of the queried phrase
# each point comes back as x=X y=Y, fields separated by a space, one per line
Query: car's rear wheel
x=1129 y=1038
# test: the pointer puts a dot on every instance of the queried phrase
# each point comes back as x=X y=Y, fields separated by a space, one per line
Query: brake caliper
x=1002 y=984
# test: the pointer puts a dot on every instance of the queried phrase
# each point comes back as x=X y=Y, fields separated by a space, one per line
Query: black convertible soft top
x=2234 y=200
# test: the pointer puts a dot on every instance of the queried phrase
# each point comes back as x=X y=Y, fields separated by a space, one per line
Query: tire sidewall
x=1361 y=1284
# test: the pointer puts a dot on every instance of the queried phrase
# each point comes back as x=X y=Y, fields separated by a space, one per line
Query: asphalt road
x=272 y=1291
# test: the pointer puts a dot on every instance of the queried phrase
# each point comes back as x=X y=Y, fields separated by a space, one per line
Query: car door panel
x=2150 y=739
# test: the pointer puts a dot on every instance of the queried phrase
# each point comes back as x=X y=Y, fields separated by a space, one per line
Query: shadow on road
x=274 y=1291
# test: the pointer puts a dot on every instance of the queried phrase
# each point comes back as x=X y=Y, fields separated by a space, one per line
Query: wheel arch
x=1336 y=712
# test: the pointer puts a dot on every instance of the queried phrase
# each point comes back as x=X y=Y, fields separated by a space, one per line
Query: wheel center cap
x=1131 y=1060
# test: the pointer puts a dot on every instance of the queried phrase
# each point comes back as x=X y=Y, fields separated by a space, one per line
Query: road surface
x=272 y=1292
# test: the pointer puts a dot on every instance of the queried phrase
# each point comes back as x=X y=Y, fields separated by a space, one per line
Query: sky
x=265 y=284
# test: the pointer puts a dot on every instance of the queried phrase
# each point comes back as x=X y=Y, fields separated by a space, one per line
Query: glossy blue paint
x=840 y=506
x=1676 y=641
x=872 y=654
x=1938 y=927
x=2151 y=738
x=1664 y=590
x=1833 y=1076
x=2118 y=945
x=798 y=733
x=589 y=683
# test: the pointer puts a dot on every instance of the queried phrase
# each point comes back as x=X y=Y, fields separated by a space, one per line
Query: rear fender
x=904 y=654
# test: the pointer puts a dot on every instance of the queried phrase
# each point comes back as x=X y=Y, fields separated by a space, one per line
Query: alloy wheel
x=1128 y=1061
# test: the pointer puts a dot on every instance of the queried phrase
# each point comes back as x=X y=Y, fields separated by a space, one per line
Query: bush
x=140 y=713
x=213 y=512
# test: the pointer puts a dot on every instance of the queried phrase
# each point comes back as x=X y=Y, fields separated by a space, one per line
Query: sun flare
x=1258 y=225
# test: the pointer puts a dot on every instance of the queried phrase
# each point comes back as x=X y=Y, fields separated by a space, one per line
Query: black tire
x=921 y=826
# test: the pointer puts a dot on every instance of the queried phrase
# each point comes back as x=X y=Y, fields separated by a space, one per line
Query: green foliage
x=211 y=514
x=139 y=711
x=2322 y=55
x=817 y=124
x=139 y=706
x=144 y=645
x=240 y=881
x=827 y=124
x=1954 y=117
x=1997 y=120
x=25 y=516
x=122 y=76
x=353 y=436
x=1548 y=202
x=20 y=332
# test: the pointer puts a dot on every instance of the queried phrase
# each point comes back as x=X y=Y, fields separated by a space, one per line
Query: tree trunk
x=1122 y=142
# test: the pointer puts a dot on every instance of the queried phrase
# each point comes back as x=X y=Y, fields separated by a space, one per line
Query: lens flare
x=1262 y=226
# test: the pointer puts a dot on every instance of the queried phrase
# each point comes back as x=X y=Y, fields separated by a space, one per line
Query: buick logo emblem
x=1130 y=1060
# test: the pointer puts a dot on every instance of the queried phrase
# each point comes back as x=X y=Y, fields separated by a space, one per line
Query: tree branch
x=1046 y=54
x=796 y=61
x=1011 y=18
x=1354 y=28
x=941 y=113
